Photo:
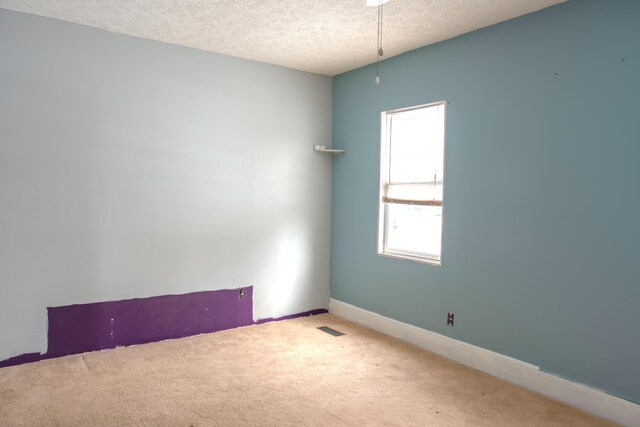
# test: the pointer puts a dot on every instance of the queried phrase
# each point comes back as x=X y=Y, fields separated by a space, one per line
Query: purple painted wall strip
x=23 y=358
x=99 y=326
x=81 y=328
x=293 y=316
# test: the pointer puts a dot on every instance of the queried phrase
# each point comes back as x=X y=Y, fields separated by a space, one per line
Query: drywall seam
x=507 y=368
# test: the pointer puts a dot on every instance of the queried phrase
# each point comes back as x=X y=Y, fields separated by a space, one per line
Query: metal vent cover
x=330 y=331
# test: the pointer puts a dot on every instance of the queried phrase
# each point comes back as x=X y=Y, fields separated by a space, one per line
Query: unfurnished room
x=319 y=213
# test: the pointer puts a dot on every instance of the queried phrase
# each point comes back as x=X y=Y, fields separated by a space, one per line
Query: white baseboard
x=513 y=370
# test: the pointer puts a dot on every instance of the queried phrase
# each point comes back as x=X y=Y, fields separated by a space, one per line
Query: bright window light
x=412 y=183
x=376 y=2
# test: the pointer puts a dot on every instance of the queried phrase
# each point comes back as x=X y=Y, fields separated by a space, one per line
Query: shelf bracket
x=323 y=149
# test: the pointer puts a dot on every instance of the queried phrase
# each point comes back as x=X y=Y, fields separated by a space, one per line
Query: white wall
x=131 y=168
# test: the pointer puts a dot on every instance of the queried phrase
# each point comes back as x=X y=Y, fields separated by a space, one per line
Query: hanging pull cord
x=379 y=52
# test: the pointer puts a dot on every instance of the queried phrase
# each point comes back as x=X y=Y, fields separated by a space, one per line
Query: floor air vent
x=330 y=331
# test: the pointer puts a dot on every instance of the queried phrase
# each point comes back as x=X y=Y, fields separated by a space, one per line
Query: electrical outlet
x=242 y=293
x=449 y=319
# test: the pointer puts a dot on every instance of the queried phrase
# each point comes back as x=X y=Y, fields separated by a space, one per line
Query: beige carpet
x=276 y=374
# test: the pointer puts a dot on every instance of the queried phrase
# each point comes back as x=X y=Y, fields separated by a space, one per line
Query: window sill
x=414 y=258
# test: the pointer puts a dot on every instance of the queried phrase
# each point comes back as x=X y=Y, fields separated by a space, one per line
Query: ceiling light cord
x=379 y=52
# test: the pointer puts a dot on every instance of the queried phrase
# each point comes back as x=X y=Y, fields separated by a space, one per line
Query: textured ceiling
x=321 y=36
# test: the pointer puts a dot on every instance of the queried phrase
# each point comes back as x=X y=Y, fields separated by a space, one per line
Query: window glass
x=412 y=183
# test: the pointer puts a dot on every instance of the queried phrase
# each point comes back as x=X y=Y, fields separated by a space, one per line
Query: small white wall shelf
x=323 y=149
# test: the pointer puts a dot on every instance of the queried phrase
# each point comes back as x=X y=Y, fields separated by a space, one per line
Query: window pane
x=417 y=145
x=414 y=230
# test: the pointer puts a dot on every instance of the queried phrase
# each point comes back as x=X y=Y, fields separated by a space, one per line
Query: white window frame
x=384 y=201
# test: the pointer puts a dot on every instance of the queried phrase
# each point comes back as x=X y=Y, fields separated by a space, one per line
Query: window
x=412 y=183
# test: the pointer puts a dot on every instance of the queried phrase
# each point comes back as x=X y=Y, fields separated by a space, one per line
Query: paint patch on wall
x=81 y=328
x=23 y=358
x=99 y=326
x=293 y=316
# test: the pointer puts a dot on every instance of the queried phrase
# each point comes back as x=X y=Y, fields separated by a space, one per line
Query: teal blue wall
x=542 y=200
